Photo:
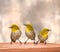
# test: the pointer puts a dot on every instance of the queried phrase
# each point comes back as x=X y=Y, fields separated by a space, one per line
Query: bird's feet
x=45 y=43
x=10 y=42
x=35 y=42
x=20 y=42
x=24 y=42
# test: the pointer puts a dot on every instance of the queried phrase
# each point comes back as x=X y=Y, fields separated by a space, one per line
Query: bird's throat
x=27 y=30
x=14 y=30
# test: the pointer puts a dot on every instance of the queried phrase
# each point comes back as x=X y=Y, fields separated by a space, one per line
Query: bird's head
x=45 y=31
x=14 y=27
x=28 y=27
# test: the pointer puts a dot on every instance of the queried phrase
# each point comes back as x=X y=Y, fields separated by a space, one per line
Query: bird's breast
x=28 y=30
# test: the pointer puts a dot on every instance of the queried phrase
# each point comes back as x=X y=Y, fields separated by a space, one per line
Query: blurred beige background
x=41 y=13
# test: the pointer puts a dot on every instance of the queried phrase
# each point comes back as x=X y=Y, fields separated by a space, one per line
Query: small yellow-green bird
x=43 y=35
x=29 y=32
x=15 y=33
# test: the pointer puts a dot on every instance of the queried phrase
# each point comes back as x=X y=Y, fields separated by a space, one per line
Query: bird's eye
x=48 y=30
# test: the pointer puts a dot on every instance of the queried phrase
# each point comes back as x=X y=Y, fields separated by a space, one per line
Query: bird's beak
x=24 y=24
x=49 y=30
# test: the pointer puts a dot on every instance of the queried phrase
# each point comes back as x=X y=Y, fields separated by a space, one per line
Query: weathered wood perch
x=29 y=47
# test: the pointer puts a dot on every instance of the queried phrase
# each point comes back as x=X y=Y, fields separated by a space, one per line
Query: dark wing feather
x=30 y=35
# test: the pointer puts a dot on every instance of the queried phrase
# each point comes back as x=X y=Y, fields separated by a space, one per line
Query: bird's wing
x=12 y=37
x=30 y=35
x=41 y=38
x=15 y=36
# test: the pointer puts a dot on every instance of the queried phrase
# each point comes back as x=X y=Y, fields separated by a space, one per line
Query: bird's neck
x=14 y=30
x=44 y=33
x=29 y=29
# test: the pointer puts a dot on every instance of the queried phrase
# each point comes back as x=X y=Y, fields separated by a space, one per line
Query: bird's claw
x=20 y=42
x=24 y=42
x=10 y=42
x=45 y=43
x=36 y=42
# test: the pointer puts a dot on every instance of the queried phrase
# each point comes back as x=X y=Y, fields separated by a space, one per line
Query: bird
x=43 y=35
x=29 y=31
x=15 y=33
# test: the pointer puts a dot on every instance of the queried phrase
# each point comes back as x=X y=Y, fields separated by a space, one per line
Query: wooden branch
x=29 y=47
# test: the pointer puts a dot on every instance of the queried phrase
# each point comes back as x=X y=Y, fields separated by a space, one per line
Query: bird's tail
x=13 y=40
x=41 y=41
